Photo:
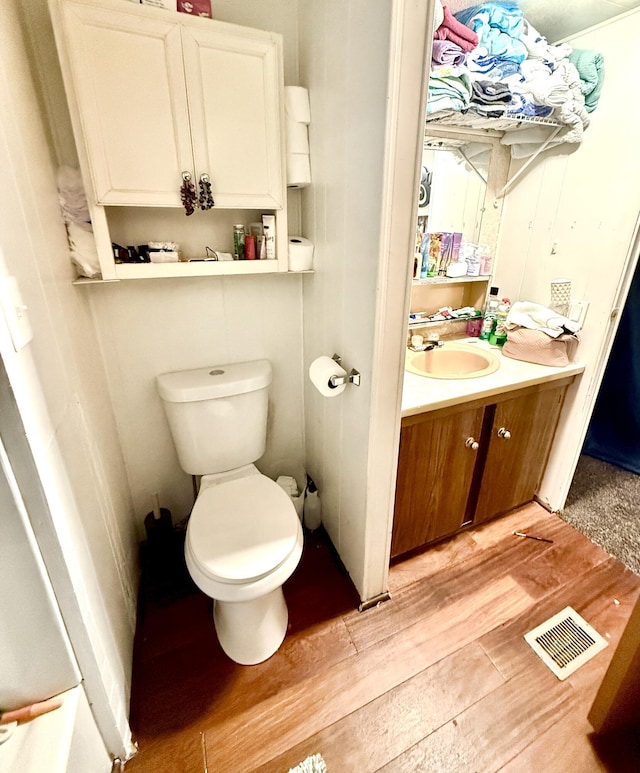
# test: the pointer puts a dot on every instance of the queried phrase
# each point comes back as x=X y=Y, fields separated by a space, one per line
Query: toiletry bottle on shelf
x=489 y=314
x=312 y=507
x=499 y=335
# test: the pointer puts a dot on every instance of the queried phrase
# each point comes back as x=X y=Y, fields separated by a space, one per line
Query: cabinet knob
x=472 y=443
x=504 y=433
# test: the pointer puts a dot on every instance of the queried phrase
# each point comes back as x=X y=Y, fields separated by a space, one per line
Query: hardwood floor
x=439 y=678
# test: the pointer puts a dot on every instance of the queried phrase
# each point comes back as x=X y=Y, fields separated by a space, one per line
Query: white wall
x=574 y=216
x=60 y=385
x=344 y=64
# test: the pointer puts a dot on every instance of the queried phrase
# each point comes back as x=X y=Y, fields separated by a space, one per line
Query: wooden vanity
x=468 y=462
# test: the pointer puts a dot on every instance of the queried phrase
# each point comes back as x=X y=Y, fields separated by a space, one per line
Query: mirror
x=453 y=185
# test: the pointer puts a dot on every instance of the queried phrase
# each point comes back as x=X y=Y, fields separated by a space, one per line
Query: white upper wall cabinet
x=233 y=93
x=161 y=93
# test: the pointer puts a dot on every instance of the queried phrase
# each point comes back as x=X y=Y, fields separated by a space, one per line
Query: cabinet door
x=128 y=77
x=234 y=89
x=435 y=472
x=521 y=435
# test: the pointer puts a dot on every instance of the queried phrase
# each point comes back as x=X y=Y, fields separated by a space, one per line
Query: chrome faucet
x=426 y=346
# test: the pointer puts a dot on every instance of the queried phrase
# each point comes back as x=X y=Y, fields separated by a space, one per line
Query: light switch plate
x=15 y=312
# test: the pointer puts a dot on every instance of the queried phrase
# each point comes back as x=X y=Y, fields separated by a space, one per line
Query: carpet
x=603 y=504
x=313 y=764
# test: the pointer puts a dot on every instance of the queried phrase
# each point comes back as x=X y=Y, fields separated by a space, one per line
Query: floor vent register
x=565 y=642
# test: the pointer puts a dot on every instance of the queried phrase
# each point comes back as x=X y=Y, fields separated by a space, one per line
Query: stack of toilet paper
x=298 y=118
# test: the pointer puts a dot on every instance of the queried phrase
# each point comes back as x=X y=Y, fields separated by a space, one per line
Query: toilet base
x=251 y=631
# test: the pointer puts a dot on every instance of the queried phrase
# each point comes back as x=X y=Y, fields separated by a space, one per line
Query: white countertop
x=423 y=393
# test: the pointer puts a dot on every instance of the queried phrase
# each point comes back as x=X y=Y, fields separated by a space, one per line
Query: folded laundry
x=521 y=104
x=451 y=29
x=538 y=48
x=540 y=84
x=449 y=89
x=498 y=26
x=490 y=92
x=479 y=62
x=590 y=67
x=446 y=52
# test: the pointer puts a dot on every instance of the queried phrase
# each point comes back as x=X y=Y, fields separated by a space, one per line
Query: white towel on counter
x=534 y=316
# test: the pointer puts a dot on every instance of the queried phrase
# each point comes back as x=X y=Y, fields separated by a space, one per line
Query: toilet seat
x=242 y=529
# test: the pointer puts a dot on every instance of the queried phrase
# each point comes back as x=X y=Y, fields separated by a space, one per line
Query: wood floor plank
x=569 y=557
x=491 y=732
x=368 y=738
x=359 y=679
x=449 y=586
x=430 y=562
x=592 y=594
x=171 y=753
x=206 y=686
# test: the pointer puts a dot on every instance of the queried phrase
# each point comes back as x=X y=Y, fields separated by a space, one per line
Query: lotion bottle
x=312 y=507
x=490 y=313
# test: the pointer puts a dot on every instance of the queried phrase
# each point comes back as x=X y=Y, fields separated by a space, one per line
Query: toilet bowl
x=241 y=560
x=244 y=538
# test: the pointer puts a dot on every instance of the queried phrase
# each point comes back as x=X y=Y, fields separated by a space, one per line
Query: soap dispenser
x=312 y=507
x=489 y=314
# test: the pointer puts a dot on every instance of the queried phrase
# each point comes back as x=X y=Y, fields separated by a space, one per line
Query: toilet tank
x=217 y=415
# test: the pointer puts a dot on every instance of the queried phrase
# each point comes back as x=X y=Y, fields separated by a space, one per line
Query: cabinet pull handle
x=188 y=194
x=205 y=199
x=472 y=443
x=504 y=433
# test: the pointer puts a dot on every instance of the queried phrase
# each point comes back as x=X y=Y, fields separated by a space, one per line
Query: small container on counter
x=249 y=247
x=485 y=259
x=474 y=326
x=238 y=241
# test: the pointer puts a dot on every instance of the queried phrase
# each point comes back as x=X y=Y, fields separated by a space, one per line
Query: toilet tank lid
x=215 y=381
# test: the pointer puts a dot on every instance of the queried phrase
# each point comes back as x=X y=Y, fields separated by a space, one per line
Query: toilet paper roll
x=298 y=170
x=297 y=137
x=300 y=254
x=321 y=370
x=296 y=104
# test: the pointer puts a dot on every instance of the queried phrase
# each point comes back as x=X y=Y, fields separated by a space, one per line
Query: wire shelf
x=472 y=120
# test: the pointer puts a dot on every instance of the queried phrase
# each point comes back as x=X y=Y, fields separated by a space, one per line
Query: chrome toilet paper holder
x=353 y=376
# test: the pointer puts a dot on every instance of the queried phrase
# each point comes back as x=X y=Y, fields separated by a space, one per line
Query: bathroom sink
x=453 y=360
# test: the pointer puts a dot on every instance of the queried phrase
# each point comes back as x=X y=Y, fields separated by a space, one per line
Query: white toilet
x=244 y=538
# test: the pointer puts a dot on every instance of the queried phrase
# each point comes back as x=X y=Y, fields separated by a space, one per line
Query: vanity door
x=522 y=432
x=438 y=453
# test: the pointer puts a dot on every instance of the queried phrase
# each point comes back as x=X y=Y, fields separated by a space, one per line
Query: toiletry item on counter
x=269 y=229
x=456 y=269
x=422 y=255
x=498 y=336
x=489 y=314
x=435 y=254
x=474 y=326
x=238 y=241
x=312 y=507
x=163 y=252
x=249 y=247
x=300 y=254
x=196 y=8
x=446 y=247
x=192 y=7
x=485 y=259
x=446 y=312
x=298 y=117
